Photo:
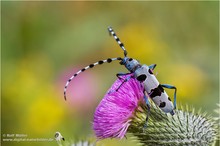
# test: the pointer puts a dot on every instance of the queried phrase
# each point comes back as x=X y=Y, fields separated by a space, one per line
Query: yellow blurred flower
x=141 y=42
x=30 y=96
x=189 y=80
x=43 y=115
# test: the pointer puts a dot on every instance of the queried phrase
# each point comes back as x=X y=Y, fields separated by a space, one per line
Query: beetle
x=144 y=74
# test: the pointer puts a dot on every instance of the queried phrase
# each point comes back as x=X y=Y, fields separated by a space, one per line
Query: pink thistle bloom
x=116 y=110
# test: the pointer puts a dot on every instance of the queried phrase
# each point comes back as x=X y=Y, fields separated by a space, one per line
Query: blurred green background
x=44 y=43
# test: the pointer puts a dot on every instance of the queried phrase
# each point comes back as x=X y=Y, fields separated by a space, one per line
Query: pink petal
x=113 y=114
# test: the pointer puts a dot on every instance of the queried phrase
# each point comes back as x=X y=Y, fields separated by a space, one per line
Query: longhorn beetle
x=144 y=74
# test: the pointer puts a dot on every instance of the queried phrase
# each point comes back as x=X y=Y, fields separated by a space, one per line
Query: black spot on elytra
x=161 y=88
x=150 y=71
x=162 y=104
x=142 y=77
x=156 y=91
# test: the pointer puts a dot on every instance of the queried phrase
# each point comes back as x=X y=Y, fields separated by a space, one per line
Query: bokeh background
x=44 y=43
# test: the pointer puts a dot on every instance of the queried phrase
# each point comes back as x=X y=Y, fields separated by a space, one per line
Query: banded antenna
x=111 y=32
x=109 y=60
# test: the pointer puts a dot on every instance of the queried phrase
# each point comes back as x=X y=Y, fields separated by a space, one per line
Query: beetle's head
x=130 y=63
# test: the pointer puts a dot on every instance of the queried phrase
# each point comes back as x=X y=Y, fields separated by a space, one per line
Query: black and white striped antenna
x=111 y=32
x=109 y=60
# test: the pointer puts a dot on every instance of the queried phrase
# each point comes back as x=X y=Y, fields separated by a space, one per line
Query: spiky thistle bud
x=61 y=141
x=82 y=143
x=78 y=143
x=186 y=127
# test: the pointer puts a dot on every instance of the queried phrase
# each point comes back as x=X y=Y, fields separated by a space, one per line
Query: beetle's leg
x=171 y=87
x=148 y=110
x=124 y=80
x=152 y=66
x=122 y=74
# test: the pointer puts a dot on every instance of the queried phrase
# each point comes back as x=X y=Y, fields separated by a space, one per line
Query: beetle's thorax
x=130 y=63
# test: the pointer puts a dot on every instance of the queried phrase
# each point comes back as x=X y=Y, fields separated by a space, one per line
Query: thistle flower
x=125 y=111
x=114 y=114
